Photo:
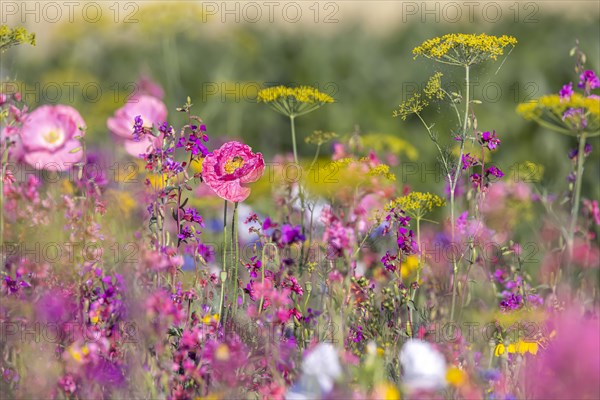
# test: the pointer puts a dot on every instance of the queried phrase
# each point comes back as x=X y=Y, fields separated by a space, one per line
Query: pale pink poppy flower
x=152 y=111
x=49 y=137
x=146 y=86
x=226 y=169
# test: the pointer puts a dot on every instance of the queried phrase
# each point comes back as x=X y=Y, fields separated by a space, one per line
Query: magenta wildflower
x=294 y=286
x=589 y=79
x=291 y=234
x=388 y=261
x=567 y=91
x=490 y=140
x=254 y=266
x=494 y=171
x=468 y=161
x=511 y=302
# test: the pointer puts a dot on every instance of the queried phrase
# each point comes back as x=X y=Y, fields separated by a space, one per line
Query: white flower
x=323 y=364
x=320 y=368
x=424 y=368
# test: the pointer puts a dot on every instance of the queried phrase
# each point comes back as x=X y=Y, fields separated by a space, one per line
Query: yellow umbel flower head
x=464 y=49
x=293 y=102
x=418 y=204
x=15 y=36
x=418 y=101
x=570 y=116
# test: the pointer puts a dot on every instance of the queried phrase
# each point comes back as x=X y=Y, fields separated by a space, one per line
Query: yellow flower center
x=232 y=165
x=54 y=137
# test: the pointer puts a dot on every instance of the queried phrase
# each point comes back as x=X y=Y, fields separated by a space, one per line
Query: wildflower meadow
x=200 y=203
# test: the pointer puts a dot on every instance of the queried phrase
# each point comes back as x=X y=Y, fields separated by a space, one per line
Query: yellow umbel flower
x=433 y=89
x=464 y=49
x=293 y=102
x=549 y=111
x=418 y=101
x=413 y=105
x=417 y=204
x=382 y=142
x=13 y=37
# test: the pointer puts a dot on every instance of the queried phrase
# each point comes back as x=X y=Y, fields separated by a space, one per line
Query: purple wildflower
x=511 y=302
x=291 y=234
x=468 y=161
x=254 y=266
x=490 y=139
x=388 y=261
x=589 y=79
x=566 y=92
x=494 y=171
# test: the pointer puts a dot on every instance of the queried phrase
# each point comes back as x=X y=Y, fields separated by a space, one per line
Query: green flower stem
x=419 y=268
x=453 y=187
x=300 y=190
x=293 y=127
x=577 y=194
x=224 y=258
x=264 y=267
x=3 y=172
x=235 y=257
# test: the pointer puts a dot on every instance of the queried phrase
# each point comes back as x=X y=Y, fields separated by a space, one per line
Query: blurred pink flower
x=48 y=137
x=226 y=169
x=586 y=254
x=152 y=111
x=146 y=86
x=569 y=368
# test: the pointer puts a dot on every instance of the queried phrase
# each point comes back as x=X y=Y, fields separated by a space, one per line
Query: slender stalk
x=235 y=245
x=224 y=256
x=3 y=172
x=453 y=189
x=577 y=194
x=293 y=127
x=300 y=190
x=419 y=268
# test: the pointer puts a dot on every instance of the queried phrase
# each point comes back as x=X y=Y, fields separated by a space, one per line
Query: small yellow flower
x=222 y=352
x=385 y=391
x=67 y=187
x=123 y=200
x=500 y=349
x=455 y=376
x=208 y=319
x=409 y=265
x=78 y=354
x=520 y=347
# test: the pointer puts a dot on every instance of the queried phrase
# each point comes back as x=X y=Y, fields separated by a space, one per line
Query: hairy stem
x=224 y=255
x=235 y=245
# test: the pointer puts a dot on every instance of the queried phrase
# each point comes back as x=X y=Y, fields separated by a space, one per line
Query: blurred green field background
x=364 y=60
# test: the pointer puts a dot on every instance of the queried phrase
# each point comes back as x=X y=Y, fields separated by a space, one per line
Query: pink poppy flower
x=48 y=137
x=226 y=169
x=152 y=111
